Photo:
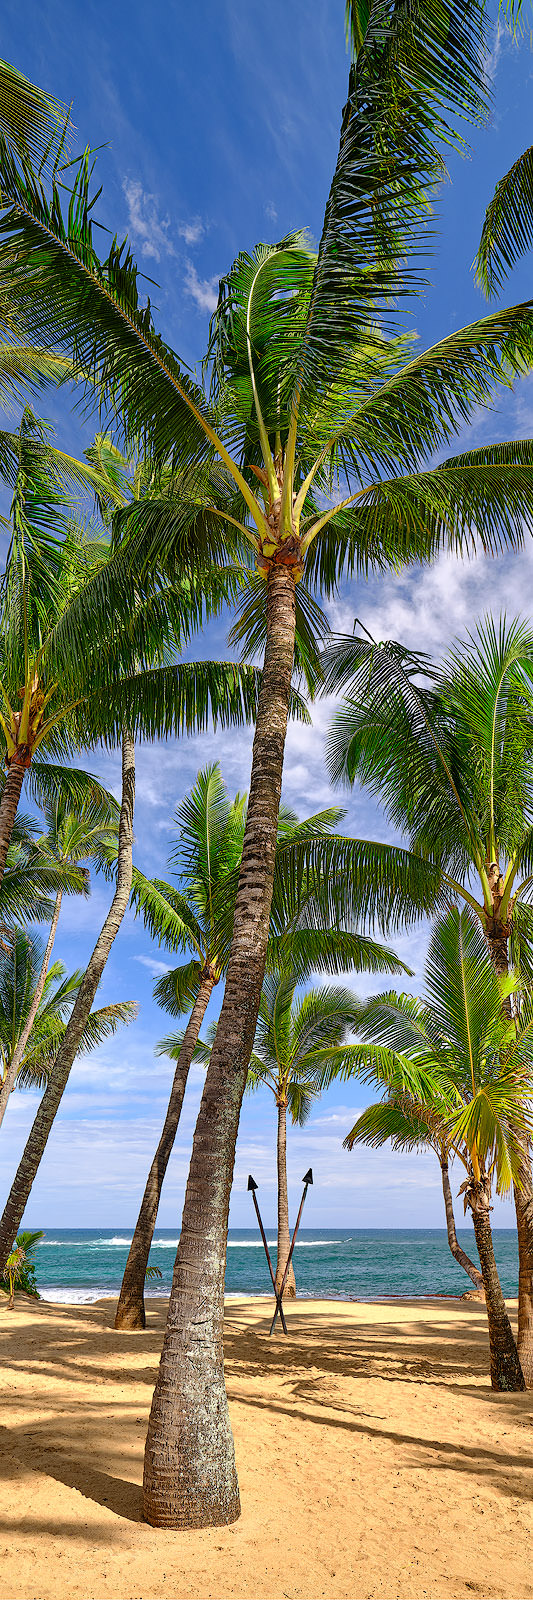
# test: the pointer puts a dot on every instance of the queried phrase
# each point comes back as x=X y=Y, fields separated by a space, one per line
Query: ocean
x=84 y=1264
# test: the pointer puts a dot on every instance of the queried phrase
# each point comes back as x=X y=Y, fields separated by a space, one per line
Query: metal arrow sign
x=306 y=1180
x=252 y=1186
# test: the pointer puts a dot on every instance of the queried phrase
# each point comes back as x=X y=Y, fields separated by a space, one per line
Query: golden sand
x=374 y=1459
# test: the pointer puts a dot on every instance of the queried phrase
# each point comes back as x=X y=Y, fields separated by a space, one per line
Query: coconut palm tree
x=196 y=918
x=290 y=1056
x=20 y=970
x=457 y=1057
x=394 y=1119
x=448 y=751
x=70 y=839
x=311 y=391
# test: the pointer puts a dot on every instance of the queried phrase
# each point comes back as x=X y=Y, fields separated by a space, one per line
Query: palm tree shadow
x=119 y=1495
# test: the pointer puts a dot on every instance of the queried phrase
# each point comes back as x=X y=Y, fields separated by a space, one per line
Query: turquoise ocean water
x=84 y=1264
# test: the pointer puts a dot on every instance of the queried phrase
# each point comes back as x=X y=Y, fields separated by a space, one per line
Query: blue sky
x=220 y=126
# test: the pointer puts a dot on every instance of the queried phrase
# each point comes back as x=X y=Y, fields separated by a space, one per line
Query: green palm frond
x=31 y=121
x=177 y=989
x=410 y=63
x=508 y=226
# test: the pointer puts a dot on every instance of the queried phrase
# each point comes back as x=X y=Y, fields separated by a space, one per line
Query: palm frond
x=508 y=226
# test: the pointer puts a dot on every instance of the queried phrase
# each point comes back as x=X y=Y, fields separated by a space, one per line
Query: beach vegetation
x=461 y=1061
x=447 y=749
x=196 y=917
x=20 y=1267
x=290 y=1055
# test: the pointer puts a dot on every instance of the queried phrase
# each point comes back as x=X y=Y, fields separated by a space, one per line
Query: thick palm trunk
x=130 y=1310
x=190 y=1478
x=18 y=1054
x=505 y=1370
x=8 y=807
x=498 y=942
x=51 y=1100
x=459 y=1255
x=284 y=1237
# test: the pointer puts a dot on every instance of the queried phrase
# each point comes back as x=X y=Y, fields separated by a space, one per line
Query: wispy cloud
x=270 y=211
x=192 y=231
x=204 y=291
x=157 y=968
x=147 y=227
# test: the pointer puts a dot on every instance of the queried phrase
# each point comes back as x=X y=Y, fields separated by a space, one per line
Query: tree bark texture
x=505 y=1370
x=19 y=1051
x=51 y=1100
x=12 y=790
x=284 y=1237
x=498 y=943
x=459 y=1255
x=190 y=1478
x=523 y=1198
x=130 y=1311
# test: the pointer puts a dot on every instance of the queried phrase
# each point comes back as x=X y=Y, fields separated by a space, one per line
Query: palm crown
x=448 y=750
x=309 y=386
x=19 y=972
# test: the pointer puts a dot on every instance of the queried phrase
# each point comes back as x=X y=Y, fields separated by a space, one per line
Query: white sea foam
x=72 y=1297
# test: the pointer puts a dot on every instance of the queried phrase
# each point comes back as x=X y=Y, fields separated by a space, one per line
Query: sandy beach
x=374 y=1459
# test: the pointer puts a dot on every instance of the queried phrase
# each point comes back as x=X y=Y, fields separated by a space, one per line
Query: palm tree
x=459 y=1059
x=79 y=1016
x=197 y=918
x=408 y=1129
x=290 y=1056
x=19 y=1261
x=20 y=971
x=448 y=751
x=70 y=839
x=209 y=831
x=311 y=389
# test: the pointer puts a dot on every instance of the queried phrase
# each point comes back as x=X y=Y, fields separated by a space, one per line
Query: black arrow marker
x=252 y=1186
x=279 y=1297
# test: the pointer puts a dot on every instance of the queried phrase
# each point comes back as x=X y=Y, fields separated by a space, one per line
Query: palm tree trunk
x=505 y=1370
x=498 y=943
x=19 y=1051
x=284 y=1238
x=11 y=793
x=523 y=1198
x=51 y=1100
x=130 y=1311
x=458 y=1254
x=190 y=1478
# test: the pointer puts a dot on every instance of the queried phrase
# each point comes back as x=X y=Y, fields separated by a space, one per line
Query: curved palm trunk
x=498 y=942
x=51 y=1100
x=130 y=1311
x=459 y=1255
x=18 y=1054
x=505 y=1370
x=12 y=790
x=523 y=1198
x=190 y=1478
x=284 y=1237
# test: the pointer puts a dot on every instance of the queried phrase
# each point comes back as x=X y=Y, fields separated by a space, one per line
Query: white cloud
x=270 y=212
x=192 y=231
x=145 y=225
x=157 y=968
x=203 y=290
